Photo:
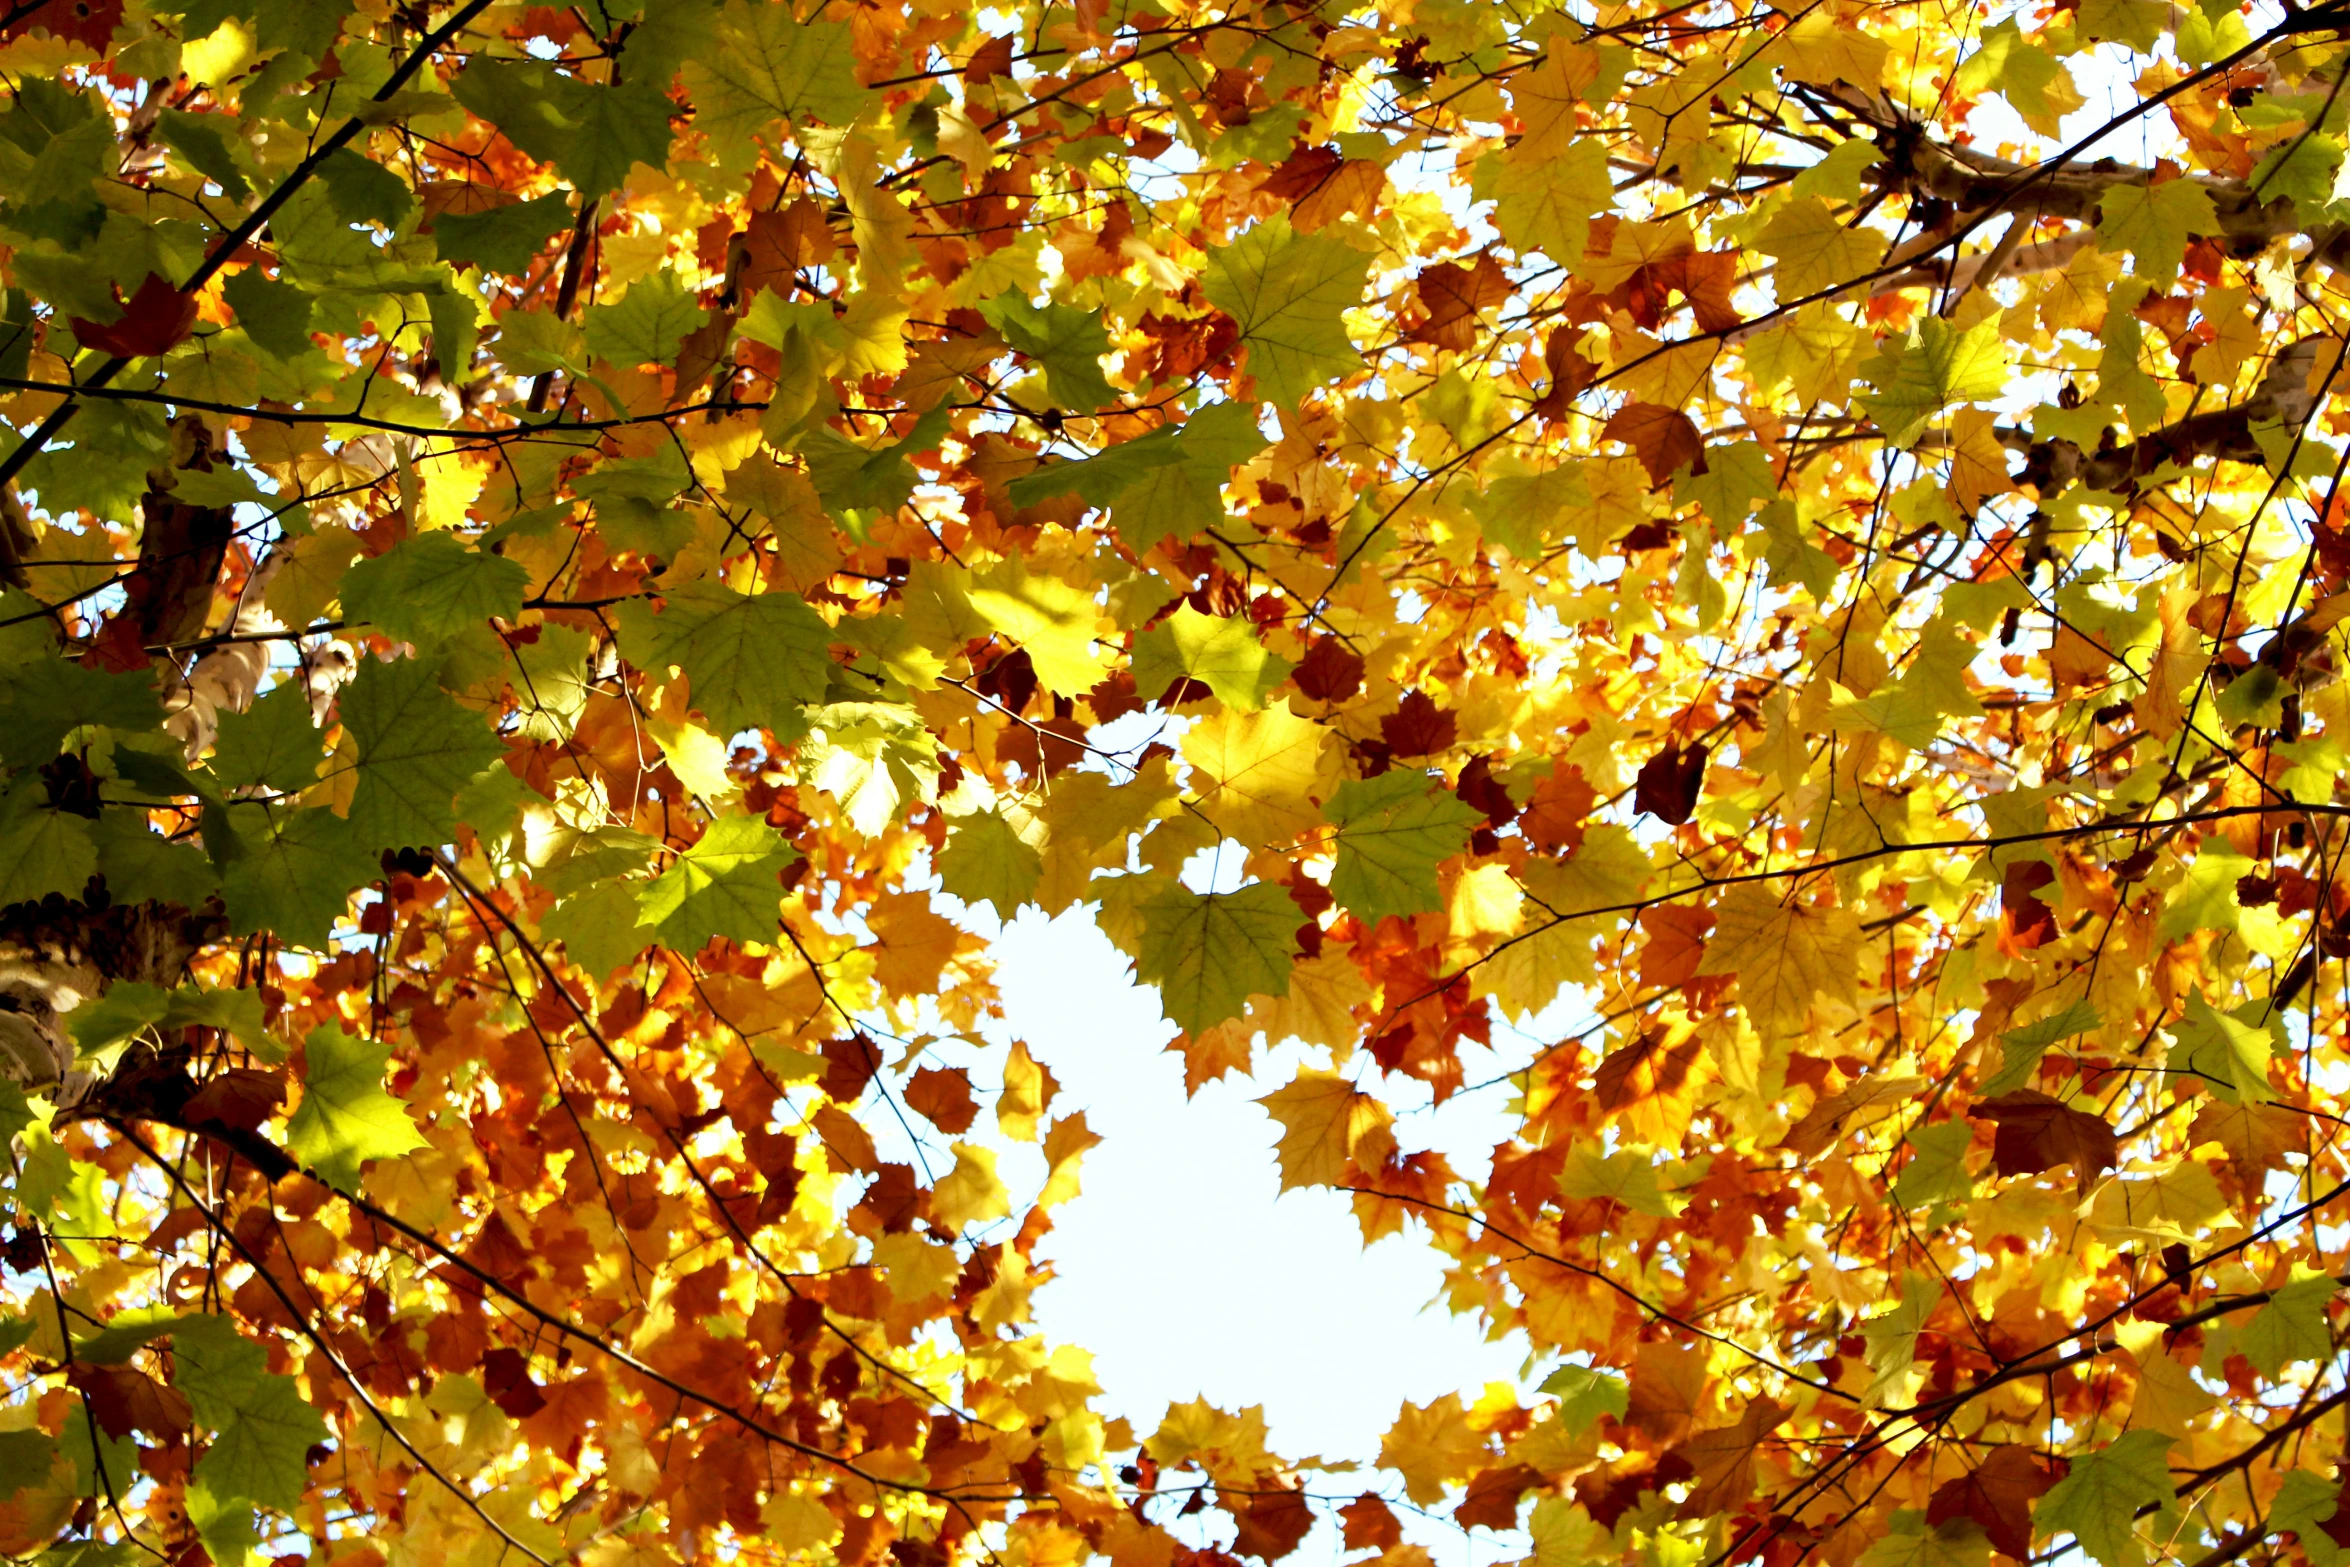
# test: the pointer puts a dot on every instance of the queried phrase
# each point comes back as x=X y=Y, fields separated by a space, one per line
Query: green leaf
x=1222 y=654
x=2228 y=1052
x=1393 y=831
x=2292 y=1326
x=1936 y=1171
x=2305 y=1505
x=261 y=1428
x=345 y=1118
x=1288 y=293
x=16 y=1113
x=2097 y=1502
x=271 y=745
x=364 y=191
x=725 y=885
x=415 y=748
x=1209 y=952
x=594 y=134
x=2154 y=223
x=1065 y=342
x=1937 y=366
x=25 y=1458
x=104 y=1466
x=2022 y=1048
x=1179 y=499
x=598 y=927
x=1585 y=1394
x=752 y=660
x=141 y=865
x=42 y=850
x=648 y=323
x=205 y=147
x=427 y=588
x=125 y=1334
x=47 y=699
x=1909 y=1541
x=1103 y=477
x=987 y=861
x=765 y=66
x=290 y=872
x=275 y=314
x=503 y=239
x=127 y=1007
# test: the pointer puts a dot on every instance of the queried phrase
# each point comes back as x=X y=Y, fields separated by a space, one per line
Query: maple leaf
x=1941 y=365
x=1997 y=1494
x=428 y=588
x=1788 y=957
x=1209 y=952
x=1289 y=293
x=725 y=885
x=345 y=1118
x=412 y=748
x=1721 y=1462
x=750 y=658
x=1393 y=832
x=2039 y=1133
x=154 y=320
x=2098 y=1499
x=1224 y=655
x=1669 y=782
x=1664 y=439
x=1326 y=1125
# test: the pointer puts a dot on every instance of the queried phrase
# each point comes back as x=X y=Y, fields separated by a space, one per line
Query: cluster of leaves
x=539 y=542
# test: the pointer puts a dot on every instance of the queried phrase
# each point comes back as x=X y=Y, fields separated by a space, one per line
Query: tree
x=540 y=541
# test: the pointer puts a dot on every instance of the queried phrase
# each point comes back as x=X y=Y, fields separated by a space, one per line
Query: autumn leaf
x=1288 y=292
x=345 y=1118
x=2039 y=1133
x=1997 y=1494
x=1788 y=957
x=1325 y=1126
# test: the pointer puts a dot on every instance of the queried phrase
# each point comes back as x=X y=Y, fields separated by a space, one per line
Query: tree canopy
x=1771 y=574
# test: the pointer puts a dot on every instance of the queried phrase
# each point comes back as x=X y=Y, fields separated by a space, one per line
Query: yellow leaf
x=1788 y=957
x=1263 y=775
x=1432 y=1445
x=970 y=1193
x=1325 y=1125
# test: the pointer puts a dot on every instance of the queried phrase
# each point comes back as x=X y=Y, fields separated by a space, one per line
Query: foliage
x=554 y=557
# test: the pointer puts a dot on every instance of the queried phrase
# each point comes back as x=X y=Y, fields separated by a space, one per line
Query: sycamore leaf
x=987 y=860
x=41 y=850
x=647 y=325
x=1326 y=1124
x=1393 y=831
x=725 y=885
x=1260 y=776
x=1054 y=623
x=767 y=66
x=2154 y=222
x=1209 y=952
x=594 y=133
x=1997 y=1495
x=2294 y=1324
x=414 y=746
x=274 y=744
x=1937 y=366
x=1066 y=343
x=2098 y=1500
x=1222 y=654
x=502 y=238
x=2317 y=1511
x=751 y=660
x=345 y=1118
x=1788 y=957
x=289 y=871
x=1910 y=1541
x=428 y=588
x=1585 y=1394
x=1289 y=293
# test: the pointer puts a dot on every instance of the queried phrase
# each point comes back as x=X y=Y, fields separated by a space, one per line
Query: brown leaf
x=1664 y=439
x=2039 y=1133
x=1329 y=672
x=1493 y=1497
x=2256 y=1136
x=1418 y=727
x=1569 y=371
x=89 y=22
x=1669 y=782
x=242 y=1097
x=1998 y=1494
x=944 y=1095
x=1554 y=819
x=2025 y=921
x=1667 y=1383
x=1271 y=1524
x=1452 y=295
x=777 y=244
x=1369 y=1524
x=1721 y=1461
x=849 y=1064
x=505 y=1376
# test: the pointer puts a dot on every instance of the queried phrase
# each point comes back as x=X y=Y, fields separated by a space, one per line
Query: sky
x=1186 y=1271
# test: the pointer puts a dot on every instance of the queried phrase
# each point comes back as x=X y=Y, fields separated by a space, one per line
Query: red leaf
x=1272 y=1524
x=2039 y=1133
x=89 y=22
x=1999 y=1496
x=1669 y=781
x=945 y=1097
x=154 y=321
x=1664 y=439
x=1418 y=727
x=2027 y=920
